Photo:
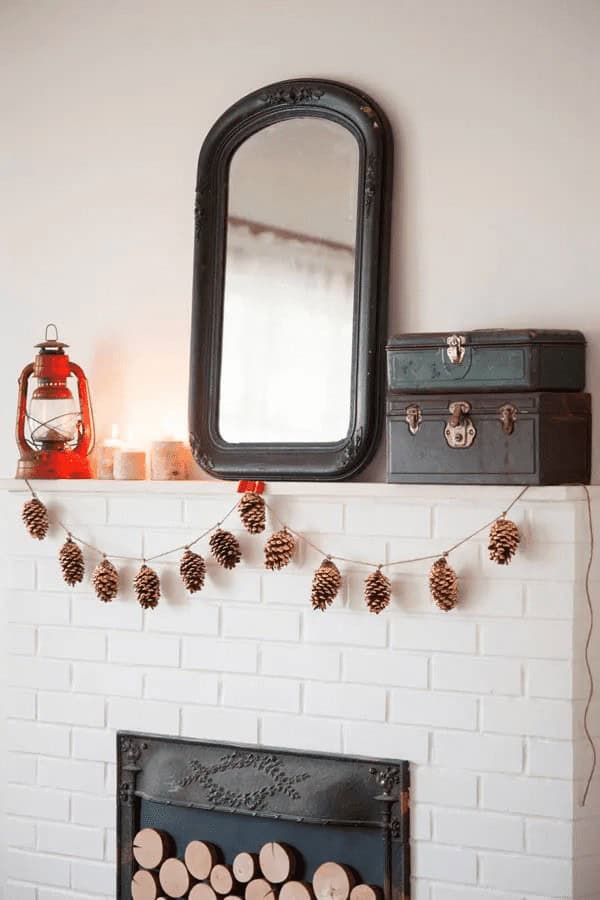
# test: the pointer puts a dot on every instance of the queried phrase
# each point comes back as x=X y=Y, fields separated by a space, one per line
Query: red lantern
x=60 y=429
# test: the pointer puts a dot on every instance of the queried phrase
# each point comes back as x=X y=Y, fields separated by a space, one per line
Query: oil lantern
x=55 y=431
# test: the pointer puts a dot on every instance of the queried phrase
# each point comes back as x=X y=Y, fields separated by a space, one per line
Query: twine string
x=586 y=654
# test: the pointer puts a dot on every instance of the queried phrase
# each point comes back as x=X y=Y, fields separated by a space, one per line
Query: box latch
x=455 y=348
x=508 y=416
x=460 y=431
x=413 y=418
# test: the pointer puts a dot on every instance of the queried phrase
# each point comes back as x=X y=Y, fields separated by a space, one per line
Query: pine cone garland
x=504 y=541
x=35 y=516
x=279 y=549
x=147 y=587
x=105 y=580
x=378 y=591
x=71 y=562
x=325 y=586
x=443 y=584
x=193 y=571
x=252 y=512
x=225 y=548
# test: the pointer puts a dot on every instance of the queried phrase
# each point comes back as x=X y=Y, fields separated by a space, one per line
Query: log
x=175 y=880
x=332 y=881
x=222 y=880
x=296 y=890
x=151 y=847
x=277 y=862
x=366 y=892
x=245 y=867
x=144 y=885
x=259 y=889
x=200 y=858
x=202 y=891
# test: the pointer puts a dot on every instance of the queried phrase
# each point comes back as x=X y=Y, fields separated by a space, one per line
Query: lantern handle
x=22 y=409
x=86 y=441
x=51 y=325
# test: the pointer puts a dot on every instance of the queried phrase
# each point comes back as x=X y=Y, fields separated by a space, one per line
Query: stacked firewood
x=203 y=875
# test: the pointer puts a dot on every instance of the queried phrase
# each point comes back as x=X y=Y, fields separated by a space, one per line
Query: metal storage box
x=500 y=360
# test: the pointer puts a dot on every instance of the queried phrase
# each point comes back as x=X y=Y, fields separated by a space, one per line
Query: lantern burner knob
x=51 y=345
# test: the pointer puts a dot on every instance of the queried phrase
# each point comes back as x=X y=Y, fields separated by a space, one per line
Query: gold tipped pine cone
x=279 y=549
x=504 y=541
x=71 y=562
x=443 y=584
x=378 y=591
x=35 y=516
x=105 y=580
x=252 y=512
x=325 y=585
x=147 y=587
x=192 y=569
x=225 y=548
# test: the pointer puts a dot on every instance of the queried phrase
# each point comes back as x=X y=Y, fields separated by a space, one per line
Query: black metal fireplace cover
x=348 y=809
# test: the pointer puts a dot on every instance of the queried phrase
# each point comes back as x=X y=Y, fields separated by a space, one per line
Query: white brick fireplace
x=486 y=701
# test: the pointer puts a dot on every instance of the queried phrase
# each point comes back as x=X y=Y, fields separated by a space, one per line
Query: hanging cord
x=588 y=642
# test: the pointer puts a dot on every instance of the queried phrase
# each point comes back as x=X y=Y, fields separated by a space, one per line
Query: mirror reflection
x=289 y=285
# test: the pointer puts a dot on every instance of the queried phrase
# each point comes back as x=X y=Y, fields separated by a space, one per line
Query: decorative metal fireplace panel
x=352 y=810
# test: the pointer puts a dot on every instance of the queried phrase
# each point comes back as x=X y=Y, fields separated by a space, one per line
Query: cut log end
x=259 y=889
x=245 y=867
x=202 y=891
x=222 y=880
x=333 y=881
x=145 y=886
x=200 y=858
x=174 y=877
x=366 y=892
x=296 y=890
x=151 y=847
x=277 y=862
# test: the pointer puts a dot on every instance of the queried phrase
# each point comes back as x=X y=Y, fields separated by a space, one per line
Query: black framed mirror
x=292 y=223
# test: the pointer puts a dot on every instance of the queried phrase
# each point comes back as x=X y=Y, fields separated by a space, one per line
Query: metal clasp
x=460 y=431
x=508 y=416
x=413 y=418
x=455 y=348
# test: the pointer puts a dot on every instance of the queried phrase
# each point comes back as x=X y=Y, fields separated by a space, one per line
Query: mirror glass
x=288 y=301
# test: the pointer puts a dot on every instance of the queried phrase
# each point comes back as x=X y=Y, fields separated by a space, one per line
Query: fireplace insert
x=329 y=809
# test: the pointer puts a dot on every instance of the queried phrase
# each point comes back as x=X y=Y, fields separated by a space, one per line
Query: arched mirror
x=290 y=283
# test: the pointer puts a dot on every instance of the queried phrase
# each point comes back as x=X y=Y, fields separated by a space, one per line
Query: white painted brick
x=453 y=520
x=50 y=579
x=93 y=744
x=294 y=588
x=479 y=752
x=212 y=723
x=71 y=709
x=37 y=802
x=242 y=586
x=444 y=863
x=38 y=868
x=113 y=540
x=344 y=628
x=531 y=796
x=549 y=600
x=394 y=519
x=181 y=687
x=343 y=545
x=95 y=877
x=261 y=624
x=21 y=832
x=95 y=811
x=70 y=840
x=64 y=894
x=552 y=679
x=434 y=634
x=21 y=640
x=547 y=640
x=301 y=733
x=220 y=656
x=550 y=759
x=72 y=775
x=466 y=559
x=139 y=511
x=561 y=564
x=539 y=718
x=548 y=877
x=476 y=675
x=387 y=741
x=18 y=574
x=385 y=668
x=307 y=515
x=39 y=673
x=547 y=838
x=202 y=512
x=18 y=891
x=20 y=703
x=301 y=661
x=37 y=608
x=159 y=540
x=450 y=892
x=143 y=715
x=273 y=694
x=110 y=845
x=90 y=612
x=428 y=708
x=143 y=649
x=110 y=786
x=71 y=643
x=345 y=701
x=34 y=737
x=484 y=597
x=420 y=822
x=478 y=829
x=557 y=523
x=444 y=787
x=193 y=617
x=78 y=509
x=107 y=679
x=21 y=768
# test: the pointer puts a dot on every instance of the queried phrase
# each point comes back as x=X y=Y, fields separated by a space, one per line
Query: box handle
x=413 y=418
x=455 y=348
x=460 y=431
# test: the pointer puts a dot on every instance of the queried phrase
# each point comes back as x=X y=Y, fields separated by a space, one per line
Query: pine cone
x=252 y=512
x=225 y=548
x=504 y=541
x=147 y=587
x=279 y=549
x=71 y=562
x=326 y=584
x=443 y=584
x=35 y=516
x=105 y=580
x=378 y=591
x=193 y=571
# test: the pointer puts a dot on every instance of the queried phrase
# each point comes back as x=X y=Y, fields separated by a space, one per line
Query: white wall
x=104 y=107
